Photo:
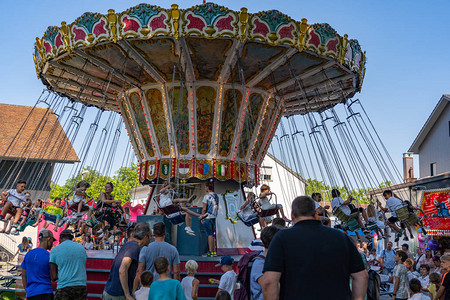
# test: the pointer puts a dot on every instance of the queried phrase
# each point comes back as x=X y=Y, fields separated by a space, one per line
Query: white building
x=432 y=144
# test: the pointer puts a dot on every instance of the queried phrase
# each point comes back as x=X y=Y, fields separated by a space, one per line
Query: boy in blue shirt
x=165 y=287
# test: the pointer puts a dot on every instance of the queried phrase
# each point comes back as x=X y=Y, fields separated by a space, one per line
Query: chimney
x=408 y=167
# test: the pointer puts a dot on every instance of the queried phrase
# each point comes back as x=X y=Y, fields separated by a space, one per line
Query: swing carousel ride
x=203 y=90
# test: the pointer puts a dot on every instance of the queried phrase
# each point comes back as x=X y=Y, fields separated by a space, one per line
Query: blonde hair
x=445 y=257
x=191 y=266
x=371 y=212
x=408 y=263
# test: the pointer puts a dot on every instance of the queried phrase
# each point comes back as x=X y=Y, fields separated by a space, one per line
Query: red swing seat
x=172 y=212
x=264 y=212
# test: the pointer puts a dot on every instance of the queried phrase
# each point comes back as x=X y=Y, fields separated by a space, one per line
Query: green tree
x=123 y=180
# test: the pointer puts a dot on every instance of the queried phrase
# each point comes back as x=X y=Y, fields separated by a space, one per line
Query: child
x=246 y=212
x=266 y=205
x=411 y=273
x=190 y=283
x=146 y=281
x=373 y=217
x=79 y=197
x=372 y=260
x=424 y=278
x=210 y=209
x=166 y=198
x=165 y=287
x=15 y=198
x=49 y=211
x=26 y=212
x=414 y=287
x=435 y=284
x=228 y=279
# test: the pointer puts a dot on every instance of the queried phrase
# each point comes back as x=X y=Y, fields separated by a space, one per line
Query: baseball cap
x=66 y=233
x=225 y=260
x=44 y=233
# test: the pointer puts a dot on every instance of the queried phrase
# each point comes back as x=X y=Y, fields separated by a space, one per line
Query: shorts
x=71 y=293
x=353 y=210
x=393 y=219
x=106 y=296
x=41 y=297
x=210 y=226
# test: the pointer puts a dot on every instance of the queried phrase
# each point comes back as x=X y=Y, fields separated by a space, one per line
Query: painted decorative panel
x=206 y=100
x=180 y=118
x=154 y=101
x=136 y=106
x=231 y=104
x=253 y=110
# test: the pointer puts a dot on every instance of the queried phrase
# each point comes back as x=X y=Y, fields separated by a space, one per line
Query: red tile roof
x=41 y=138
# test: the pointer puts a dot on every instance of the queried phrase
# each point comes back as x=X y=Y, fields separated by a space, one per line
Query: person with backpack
x=388 y=259
x=256 y=272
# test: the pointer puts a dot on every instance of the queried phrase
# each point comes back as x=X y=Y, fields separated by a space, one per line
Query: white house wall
x=436 y=146
x=283 y=183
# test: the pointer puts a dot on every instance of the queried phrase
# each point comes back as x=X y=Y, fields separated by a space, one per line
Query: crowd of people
x=280 y=259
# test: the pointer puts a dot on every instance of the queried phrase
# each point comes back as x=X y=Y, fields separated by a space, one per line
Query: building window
x=266 y=173
x=432 y=169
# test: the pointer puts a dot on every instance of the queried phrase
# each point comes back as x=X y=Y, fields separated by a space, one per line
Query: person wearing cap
x=228 y=279
x=119 y=285
x=68 y=268
x=291 y=272
x=36 y=269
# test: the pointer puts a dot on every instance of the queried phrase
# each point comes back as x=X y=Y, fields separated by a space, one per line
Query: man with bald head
x=312 y=261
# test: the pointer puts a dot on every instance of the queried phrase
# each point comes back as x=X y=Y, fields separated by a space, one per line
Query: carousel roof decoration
x=201 y=90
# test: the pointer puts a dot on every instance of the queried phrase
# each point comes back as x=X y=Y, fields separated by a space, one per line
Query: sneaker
x=411 y=236
x=209 y=254
x=14 y=231
x=100 y=231
x=192 y=198
x=214 y=254
x=396 y=239
x=405 y=239
x=189 y=231
x=14 y=225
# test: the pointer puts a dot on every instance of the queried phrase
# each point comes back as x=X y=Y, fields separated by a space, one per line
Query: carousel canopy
x=204 y=84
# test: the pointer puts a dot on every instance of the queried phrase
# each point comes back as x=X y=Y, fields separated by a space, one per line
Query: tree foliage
x=123 y=180
x=361 y=195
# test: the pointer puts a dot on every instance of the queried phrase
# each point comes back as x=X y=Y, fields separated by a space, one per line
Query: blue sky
x=407 y=44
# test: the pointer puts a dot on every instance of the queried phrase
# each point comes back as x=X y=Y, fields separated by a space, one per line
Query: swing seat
x=176 y=218
x=339 y=213
x=250 y=221
x=172 y=212
x=372 y=226
x=353 y=224
x=412 y=219
x=74 y=208
x=268 y=212
x=52 y=211
x=402 y=213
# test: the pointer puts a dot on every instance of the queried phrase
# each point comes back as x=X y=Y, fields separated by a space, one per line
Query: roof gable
x=439 y=108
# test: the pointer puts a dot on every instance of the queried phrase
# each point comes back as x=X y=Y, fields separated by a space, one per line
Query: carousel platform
x=99 y=264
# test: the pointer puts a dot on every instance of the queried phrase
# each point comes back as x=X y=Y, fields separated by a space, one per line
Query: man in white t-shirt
x=321 y=212
x=14 y=199
x=228 y=279
x=392 y=204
